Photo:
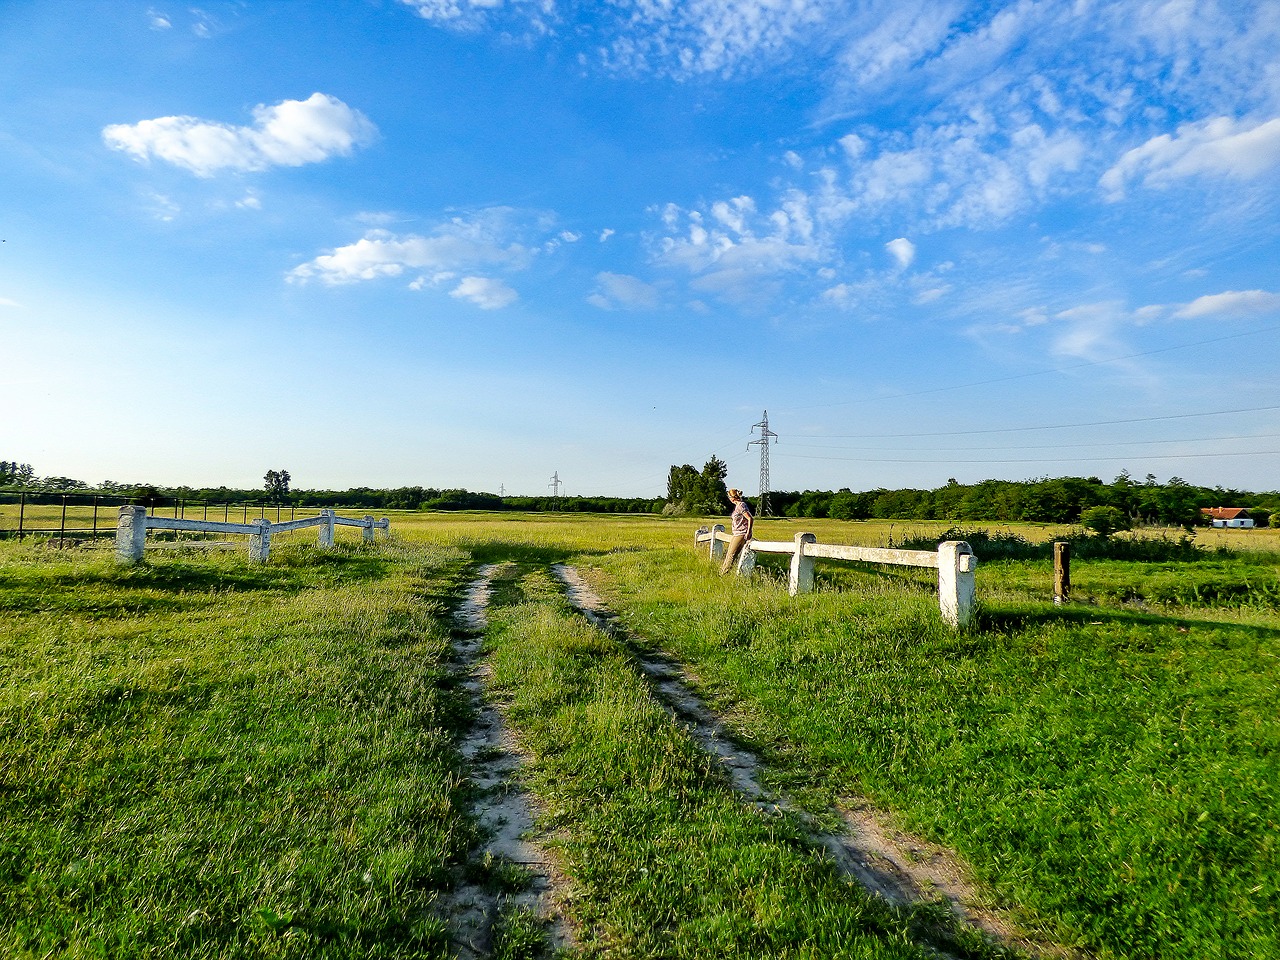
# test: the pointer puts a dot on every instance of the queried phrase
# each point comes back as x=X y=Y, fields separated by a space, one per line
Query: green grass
x=1114 y=771
x=666 y=859
x=204 y=758
x=200 y=758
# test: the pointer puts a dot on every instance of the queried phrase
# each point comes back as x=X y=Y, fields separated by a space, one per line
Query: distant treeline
x=1060 y=500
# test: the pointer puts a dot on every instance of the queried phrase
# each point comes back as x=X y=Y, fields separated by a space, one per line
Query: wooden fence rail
x=133 y=524
x=954 y=561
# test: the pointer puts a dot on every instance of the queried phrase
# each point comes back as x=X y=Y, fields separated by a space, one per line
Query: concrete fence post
x=326 y=529
x=746 y=560
x=801 y=578
x=385 y=525
x=957 y=588
x=698 y=535
x=131 y=534
x=717 y=545
x=260 y=542
x=368 y=528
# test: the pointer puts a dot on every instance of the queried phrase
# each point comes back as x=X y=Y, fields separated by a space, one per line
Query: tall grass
x=200 y=758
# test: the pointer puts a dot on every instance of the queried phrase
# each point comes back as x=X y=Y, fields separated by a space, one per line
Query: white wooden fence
x=132 y=527
x=954 y=561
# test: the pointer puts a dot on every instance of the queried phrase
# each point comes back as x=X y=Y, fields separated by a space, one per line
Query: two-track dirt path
x=889 y=862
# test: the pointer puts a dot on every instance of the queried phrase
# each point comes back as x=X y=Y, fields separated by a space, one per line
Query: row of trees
x=1046 y=500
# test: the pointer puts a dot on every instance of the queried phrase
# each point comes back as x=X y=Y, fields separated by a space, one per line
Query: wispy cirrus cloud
x=290 y=133
x=1218 y=147
x=621 y=291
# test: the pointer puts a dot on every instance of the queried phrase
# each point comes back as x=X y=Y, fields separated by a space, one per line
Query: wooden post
x=326 y=529
x=801 y=578
x=260 y=542
x=131 y=534
x=1061 y=572
x=957 y=589
x=368 y=528
x=717 y=545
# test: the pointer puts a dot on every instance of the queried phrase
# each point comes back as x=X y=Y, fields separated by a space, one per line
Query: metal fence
x=81 y=516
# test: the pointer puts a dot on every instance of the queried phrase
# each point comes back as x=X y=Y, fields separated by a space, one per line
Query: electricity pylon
x=765 y=436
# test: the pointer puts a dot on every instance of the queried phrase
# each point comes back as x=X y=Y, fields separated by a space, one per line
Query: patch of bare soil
x=900 y=868
x=505 y=811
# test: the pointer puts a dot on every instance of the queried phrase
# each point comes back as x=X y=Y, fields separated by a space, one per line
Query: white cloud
x=710 y=36
x=158 y=20
x=291 y=133
x=623 y=291
x=486 y=239
x=606 y=233
x=1088 y=332
x=471 y=15
x=902 y=250
x=6 y=302
x=485 y=292
x=1218 y=147
x=737 y=253
x=1231 y=303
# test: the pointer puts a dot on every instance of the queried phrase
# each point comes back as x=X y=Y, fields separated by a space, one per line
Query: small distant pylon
x=555 y=490
x=765 y=436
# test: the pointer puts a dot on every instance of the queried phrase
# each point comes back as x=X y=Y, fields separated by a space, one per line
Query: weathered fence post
x=717 y=545
x=260 y=542
x=1061 y=572
x=801 y=578
x=746 y=560
x=957 y=587
x=368 y=528
x=326 y=529
x=385 y=524
x=131 y=533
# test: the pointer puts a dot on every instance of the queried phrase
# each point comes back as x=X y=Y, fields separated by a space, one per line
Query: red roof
x=1225 y=513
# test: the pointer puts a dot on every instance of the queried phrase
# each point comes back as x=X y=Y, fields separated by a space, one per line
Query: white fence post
x=260 y=542
x=801 y=579
x=746 y=560
x=326 y=529
x=957 y=587
x=385 y=524
x=368 y=528
x=717 y=545
x=131 y=534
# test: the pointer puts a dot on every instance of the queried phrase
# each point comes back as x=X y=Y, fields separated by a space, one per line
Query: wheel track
x=505 y=811
x=901 y=869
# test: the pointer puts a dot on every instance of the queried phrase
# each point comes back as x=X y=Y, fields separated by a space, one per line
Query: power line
x=1056 y=426
x=1055 y=446
x=1144 y=456
x=1036 y=373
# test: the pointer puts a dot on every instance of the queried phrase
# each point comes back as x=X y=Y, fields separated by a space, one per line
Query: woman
x=743 y=519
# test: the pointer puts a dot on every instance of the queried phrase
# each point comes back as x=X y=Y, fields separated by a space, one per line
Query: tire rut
x=505 y=812
x=901 y=869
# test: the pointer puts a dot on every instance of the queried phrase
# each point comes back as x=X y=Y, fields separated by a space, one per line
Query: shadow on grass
x=1007 y=621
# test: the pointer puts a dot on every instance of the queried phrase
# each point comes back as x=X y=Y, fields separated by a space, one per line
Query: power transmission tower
x=555 y=490
x=765 y=436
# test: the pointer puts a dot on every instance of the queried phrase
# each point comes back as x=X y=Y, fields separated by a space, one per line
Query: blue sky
x=480 y=242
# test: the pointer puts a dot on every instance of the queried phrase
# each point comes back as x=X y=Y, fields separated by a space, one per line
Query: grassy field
x=203 y=758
